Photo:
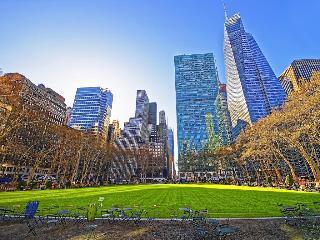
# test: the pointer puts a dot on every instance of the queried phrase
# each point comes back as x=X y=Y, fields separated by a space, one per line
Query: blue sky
x=126 y=45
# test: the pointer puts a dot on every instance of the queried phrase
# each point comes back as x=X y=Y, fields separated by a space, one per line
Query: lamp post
x=259 y=174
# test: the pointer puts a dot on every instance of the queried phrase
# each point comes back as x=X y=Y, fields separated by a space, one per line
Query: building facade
x=142 y=144
x=114 y=131
x=137 y=126
x=162 y=117
x=153 y=113
x=197 y=86
x=224 y=119
x=162 y=136
x=253 y=89
x=171 y=169
x=298 y=72
x=35 y=97
x=91 y=111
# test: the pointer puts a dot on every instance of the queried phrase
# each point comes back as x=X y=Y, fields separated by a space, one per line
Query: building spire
x=225 y=10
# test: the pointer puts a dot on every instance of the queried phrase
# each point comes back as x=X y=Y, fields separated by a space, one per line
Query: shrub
x=269 y=180
x=48 y=184
x=289 y=180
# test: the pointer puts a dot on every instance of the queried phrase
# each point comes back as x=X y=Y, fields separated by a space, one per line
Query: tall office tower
x=171 y=169
x=224 y=119
x=152 y=121
x=33 y=97
x=153 y=113
x=299 y=71
x=137 y=126
x=142 y=113
x=253 y=89
x=197 y=87
x=162 y=117
x=91 y=111
x=162 y=135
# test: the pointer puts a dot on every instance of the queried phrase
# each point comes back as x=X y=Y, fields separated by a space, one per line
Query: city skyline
x=159 y=119
x=65 y=60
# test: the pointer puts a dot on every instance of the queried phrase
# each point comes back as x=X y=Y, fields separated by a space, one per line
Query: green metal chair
x=92 y=212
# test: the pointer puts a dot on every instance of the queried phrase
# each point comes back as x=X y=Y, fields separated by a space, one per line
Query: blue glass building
x=224 y=119
x=91 y=110
x=197 y=87
x=253 y=88
x=152 y=118
x=171 y=142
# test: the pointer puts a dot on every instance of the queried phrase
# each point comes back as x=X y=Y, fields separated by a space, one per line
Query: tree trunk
x=292 y=170
x=314 y=168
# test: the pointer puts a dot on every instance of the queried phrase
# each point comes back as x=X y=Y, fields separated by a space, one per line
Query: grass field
x=220 y=200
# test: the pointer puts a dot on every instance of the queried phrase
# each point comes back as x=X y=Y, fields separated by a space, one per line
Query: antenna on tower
x=225 y=10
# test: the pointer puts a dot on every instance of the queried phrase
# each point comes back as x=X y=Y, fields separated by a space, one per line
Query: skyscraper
x=91 y=111
x=162 y=117
x=171 y=169
x=153 y=113
x=197 y=86
x=224 y=119
x=253 y=89
x=298 y=72
x=141 y=134
x=162 y=135
x=138 y=125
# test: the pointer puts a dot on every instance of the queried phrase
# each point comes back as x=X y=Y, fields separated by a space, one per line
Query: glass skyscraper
x=197 y=86
x=137 y=127
x=224 y=119
x=91 y=110
x=253 y=88
x=153 y=113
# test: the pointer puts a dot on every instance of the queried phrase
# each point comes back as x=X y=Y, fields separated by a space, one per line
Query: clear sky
x=126 y=45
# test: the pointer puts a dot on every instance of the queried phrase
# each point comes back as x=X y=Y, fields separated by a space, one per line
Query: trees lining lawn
x=220 y=200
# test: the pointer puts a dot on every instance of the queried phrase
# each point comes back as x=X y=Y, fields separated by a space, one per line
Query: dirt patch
x=155 y=230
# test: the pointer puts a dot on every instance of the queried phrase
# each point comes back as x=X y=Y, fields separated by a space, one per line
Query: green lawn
x=220 y=200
